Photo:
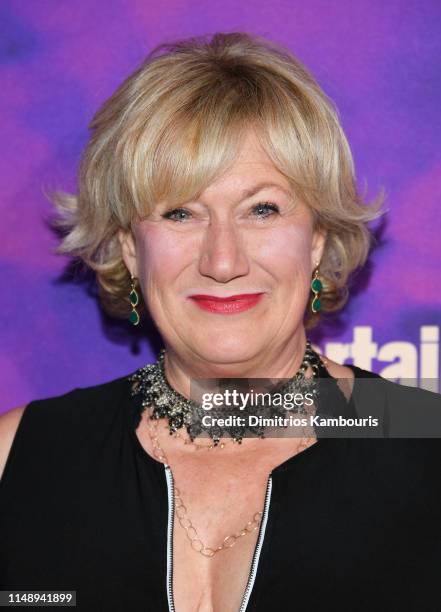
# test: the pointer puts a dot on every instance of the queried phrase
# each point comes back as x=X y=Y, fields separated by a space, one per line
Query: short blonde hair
x=175 y=125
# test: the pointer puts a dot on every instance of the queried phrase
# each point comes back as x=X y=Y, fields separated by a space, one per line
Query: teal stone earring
x=134 y=301
x=316 y=287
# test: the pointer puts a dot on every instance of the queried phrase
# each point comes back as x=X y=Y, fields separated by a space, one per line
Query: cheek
x=161 y=254
x=287 y=251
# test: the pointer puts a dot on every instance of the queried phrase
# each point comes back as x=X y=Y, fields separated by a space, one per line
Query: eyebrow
x=248 y=193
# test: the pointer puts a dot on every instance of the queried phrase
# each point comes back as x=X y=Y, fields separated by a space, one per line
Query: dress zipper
x=257 y=550
x=171 y=512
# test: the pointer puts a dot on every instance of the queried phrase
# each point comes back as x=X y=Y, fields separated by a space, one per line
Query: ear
x=128 y=250
x=318 y=246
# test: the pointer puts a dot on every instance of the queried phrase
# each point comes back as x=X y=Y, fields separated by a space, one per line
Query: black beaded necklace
x=151 y=386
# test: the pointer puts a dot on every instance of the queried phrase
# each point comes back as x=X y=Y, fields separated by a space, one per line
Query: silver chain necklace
x=150 y=384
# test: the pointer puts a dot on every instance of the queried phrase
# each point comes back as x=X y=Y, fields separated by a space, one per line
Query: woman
x=216 y=193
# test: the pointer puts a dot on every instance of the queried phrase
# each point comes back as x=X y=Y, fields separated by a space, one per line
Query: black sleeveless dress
x=348 y=524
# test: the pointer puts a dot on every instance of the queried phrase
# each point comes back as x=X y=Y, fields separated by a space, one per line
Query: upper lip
x=215 y=298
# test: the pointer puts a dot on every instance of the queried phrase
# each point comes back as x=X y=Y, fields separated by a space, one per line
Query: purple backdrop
x=379 y=61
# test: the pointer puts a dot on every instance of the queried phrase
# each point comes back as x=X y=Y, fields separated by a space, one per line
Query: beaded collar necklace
x=150 y=384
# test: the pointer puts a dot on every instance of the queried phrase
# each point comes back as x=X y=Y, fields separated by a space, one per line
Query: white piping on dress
x=256 y=556
x=171 y=504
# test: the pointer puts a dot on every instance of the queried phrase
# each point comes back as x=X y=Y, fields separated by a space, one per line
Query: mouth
x=229 y=305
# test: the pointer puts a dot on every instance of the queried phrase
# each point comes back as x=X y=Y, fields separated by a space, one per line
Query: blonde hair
x=175 y=125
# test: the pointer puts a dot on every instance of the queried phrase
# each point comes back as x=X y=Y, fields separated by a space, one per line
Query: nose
x=223 y=254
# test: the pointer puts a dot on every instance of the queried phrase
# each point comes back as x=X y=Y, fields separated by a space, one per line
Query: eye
x=264 y=210
x=267 y=208
x=176 y=214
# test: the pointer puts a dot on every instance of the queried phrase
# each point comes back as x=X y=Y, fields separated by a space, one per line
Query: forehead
x=251 y=149
x=251 y=170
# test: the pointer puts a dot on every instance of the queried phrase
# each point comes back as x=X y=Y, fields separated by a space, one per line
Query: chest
x=223 y=577
x=202 y=584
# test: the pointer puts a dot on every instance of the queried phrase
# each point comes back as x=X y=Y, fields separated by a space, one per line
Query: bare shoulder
x=9 y=422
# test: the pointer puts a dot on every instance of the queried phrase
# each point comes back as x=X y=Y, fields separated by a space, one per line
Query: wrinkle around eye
x=181 y=216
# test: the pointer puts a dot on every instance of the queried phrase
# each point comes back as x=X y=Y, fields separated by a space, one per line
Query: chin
x=227 y=349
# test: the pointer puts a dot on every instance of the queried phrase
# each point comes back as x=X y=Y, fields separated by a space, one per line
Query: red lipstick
x=230 y=305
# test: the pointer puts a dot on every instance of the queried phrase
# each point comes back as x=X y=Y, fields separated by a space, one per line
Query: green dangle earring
x=134 y=301
x=316 y=287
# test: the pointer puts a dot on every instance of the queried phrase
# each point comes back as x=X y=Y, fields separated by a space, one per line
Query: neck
x=281 y=362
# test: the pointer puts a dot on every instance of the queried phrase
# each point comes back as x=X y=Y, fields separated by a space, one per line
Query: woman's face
x=228 y=242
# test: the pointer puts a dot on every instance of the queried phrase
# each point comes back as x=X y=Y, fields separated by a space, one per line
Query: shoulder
x=397 y=393
x=9 y=422
x=56 y=415
x=410 y=439
x=78 y=401
x=404 y=410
